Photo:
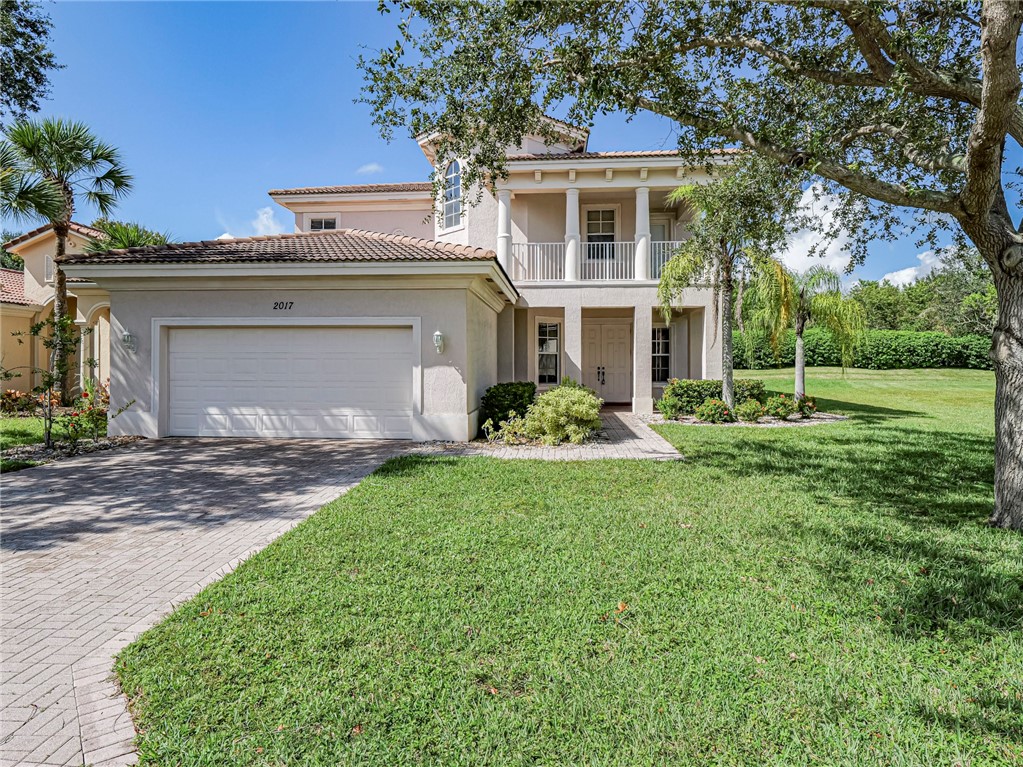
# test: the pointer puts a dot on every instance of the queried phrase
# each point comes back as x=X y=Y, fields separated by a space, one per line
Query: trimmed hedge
x=500 y=400
x=683 y=395
x=882 y=350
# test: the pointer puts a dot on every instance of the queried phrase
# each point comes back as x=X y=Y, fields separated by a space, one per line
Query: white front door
x=607 y=360
x=333 y=382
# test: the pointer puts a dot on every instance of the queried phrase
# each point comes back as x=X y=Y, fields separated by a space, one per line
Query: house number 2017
x=283 y=306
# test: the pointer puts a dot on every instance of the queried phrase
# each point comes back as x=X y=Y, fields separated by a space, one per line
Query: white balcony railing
x=660 y=254
x=538 y=261
x=609 y=261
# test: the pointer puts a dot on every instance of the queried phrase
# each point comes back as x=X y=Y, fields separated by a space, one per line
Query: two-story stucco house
x=388 y=314
x=26 y=298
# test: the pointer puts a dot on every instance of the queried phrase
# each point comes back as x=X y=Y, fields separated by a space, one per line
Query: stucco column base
x=574 y=343
x=642 y=395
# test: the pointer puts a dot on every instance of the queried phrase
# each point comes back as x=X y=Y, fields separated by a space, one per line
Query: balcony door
x=660 y=229
x=607 y=359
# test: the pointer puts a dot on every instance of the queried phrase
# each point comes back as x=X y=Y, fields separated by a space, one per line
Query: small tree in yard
x=67 y=156
x=56 y=333
x=782 y=299
x=895 y=109
x=738 y=219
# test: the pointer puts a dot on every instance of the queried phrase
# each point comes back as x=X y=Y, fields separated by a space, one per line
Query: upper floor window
x=600 y=232
x=322 y=224
x=453 y=195
x=660 y=361
x=48 y=268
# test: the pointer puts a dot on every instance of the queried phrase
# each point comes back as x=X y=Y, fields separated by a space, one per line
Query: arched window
x=453 y=195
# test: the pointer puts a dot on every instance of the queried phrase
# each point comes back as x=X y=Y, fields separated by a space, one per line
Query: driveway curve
x=96 y=549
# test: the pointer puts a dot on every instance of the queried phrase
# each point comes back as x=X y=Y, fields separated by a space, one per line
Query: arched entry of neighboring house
x=95 y=353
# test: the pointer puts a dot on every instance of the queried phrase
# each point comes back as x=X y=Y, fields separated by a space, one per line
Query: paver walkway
x=97 y=549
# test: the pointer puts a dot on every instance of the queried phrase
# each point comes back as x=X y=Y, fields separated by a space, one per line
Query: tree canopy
x=25 y=58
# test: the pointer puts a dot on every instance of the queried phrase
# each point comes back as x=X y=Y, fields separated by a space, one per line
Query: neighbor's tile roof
x=12 y=287
x=412 y=186
x=80 y=229
x=605 y=155
x=340 y=245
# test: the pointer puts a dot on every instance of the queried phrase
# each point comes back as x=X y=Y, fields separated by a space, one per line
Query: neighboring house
x=381 y=317
x=27 y=298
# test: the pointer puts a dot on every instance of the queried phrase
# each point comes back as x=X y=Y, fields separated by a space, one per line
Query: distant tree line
x=957 y=298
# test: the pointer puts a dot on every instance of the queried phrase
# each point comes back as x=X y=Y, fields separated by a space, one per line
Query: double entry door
x=607 y=359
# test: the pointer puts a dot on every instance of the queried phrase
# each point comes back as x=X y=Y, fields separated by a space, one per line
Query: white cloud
x=929 y=261
x=369 y=168
x=797 y=255
x=266 y=222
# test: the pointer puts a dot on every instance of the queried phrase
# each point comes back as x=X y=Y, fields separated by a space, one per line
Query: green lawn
x=19 y=431
x=826 y=595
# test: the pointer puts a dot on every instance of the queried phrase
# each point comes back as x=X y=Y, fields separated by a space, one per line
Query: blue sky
x=212 y=104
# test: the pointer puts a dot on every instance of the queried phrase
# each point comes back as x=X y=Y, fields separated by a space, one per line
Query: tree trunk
x=62 y=352
x=800 y=361
x=1007 y=353
x=740 y=289
x=727 y=383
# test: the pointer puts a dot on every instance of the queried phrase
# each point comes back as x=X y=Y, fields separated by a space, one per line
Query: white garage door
x=352 y=382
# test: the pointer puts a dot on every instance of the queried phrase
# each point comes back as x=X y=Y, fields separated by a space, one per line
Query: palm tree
x=123 y=234
x=784 y=299
x=738 y=219
x=68 y=156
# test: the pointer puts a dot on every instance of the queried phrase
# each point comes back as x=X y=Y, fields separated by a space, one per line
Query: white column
x=642 y=270
x=642 y=374
x=504 y=229
x=573 y=333
x=572 y=235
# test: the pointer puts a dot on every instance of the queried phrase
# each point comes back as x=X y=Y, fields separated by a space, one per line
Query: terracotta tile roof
x=412 y=186
x=605 y=155
x=79 y=229
x=340 y=245
x=12 y=287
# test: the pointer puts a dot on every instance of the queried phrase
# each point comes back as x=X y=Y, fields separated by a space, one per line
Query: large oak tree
x=891 y=106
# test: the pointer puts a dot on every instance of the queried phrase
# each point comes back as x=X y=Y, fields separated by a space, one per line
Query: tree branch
x=1001 y=22
x=930 y=162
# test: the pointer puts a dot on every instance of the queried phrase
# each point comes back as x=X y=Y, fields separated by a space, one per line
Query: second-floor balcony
x=602 y=261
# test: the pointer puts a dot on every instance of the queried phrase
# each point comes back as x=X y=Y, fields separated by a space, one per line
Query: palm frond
x=844 y=318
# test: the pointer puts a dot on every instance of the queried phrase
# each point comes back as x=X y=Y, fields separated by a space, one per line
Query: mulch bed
x=767 y=422
x=39 y=453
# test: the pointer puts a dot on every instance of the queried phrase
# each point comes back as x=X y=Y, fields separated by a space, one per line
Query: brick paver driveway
x=96 y=549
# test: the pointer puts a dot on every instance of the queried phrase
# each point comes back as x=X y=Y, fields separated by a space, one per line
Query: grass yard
x=19 y=431
x=827 y=595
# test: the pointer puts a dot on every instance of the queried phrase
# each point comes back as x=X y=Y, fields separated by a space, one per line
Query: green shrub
x=807 y=406
x=881 y=350
x=501 y=400
x=750 y=411
x=780 y=406
x=566 y=413
x=683 y=395
x=714 y=410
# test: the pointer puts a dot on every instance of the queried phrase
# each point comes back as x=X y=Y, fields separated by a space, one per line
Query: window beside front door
x=548 y=353
x=661 y=355
x=600 y=232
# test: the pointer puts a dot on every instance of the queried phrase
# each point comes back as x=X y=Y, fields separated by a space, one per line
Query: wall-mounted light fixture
x=128 y=341
x=438 y=341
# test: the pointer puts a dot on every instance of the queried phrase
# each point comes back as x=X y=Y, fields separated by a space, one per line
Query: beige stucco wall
x=34 y=253
x=450 y=380
x=481 y=334
x=16 y=357
x=413 y=222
